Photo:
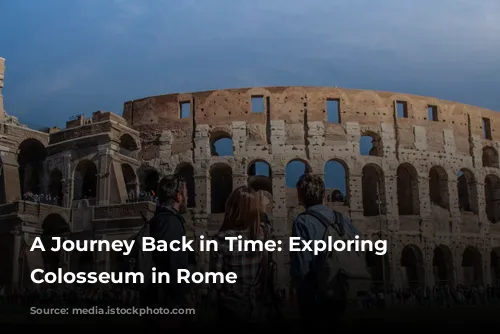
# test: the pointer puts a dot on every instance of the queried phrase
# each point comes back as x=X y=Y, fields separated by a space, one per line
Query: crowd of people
x=320 y=287
x=143 y=196
x=89 y=296
x=41 y=198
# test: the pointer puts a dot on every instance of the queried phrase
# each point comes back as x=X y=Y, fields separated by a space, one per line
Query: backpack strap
x=336 y=224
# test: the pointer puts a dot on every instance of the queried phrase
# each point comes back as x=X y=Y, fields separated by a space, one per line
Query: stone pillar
x=16 y=252
x=103 y=175
x=428 y=253
x=10 y=173
x=2 y=71
x=355 y=198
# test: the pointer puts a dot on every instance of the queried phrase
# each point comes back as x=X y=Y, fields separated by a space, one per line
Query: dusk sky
x=71 y=57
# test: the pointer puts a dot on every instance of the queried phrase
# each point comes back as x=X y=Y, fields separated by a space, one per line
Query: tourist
x=169 y=225
x=237 y=303
x=314 y=310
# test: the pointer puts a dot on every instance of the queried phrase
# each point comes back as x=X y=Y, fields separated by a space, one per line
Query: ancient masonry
x=429 y=185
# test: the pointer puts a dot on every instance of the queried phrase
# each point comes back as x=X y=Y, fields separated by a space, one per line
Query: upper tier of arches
x=260 y=105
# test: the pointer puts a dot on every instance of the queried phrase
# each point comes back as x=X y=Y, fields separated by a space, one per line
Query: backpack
x=339 y=276
x=137 y=260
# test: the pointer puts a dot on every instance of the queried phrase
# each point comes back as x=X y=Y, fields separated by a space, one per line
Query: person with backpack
x=326 y=282
x=168 y=224
x=238 y=304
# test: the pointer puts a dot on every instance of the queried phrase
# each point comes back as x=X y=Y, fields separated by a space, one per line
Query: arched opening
x=56 y=186
x=442 y=263
x=53 y=225
x=373 y=187
x=3 y=198
x=472 y=266
x=30 y=159
x=221 y=144
x=336 y=181
x=221 y=185
x=438 y=187
x=186 y=171
x=149 y=184
x=377 y=264
x=370 y=143
x=492 y=198
x=408 y=197
x=260 y=176
x=490 y=157
x=294 y=170
x=130 y=180
x=412 y=263
x=85 y=181
x=495 y=267
x=128 y=143
x=467 y=191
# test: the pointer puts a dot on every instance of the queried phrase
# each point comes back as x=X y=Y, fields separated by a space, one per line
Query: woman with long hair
x=237 y=302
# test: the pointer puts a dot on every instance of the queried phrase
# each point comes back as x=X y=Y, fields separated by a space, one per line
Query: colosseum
x=428 y=182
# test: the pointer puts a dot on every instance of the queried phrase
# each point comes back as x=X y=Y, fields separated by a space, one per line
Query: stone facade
x=429 y=185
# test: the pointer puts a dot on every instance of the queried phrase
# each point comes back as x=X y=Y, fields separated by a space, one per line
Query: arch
x=186 y=171
x=490 y=157
x=495 y=266
x=31 y=155
x=492 y=198
x=128 y=143
x=53 y=225
x=336 y=176
x=413 y=264
x=56 y=186
x=467 y=191
x=149 y=178
x=370 y=143
x=472 y=266
x=378 y=265
x=442 y=263
x=130 y=180
x=373 y=188
x=221 y=144
x=260 y=176
x=438 y=187
x=408 y=194
x=294 y=170
x=85 y=180
x=221 y=186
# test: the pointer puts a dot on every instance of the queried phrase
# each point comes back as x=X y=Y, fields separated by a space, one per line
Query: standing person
x=169 y=225
x=315 y=312
x=237 y=304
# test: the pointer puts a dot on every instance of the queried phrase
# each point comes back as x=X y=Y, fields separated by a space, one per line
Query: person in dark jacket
x=314 y=315
x=168 y=225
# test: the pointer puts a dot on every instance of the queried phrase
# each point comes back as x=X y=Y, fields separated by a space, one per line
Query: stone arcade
x=429 y=184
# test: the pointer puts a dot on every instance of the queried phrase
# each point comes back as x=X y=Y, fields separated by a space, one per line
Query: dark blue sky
x=70 y=57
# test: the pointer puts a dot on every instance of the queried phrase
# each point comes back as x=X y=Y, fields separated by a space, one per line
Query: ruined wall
x=293 y=125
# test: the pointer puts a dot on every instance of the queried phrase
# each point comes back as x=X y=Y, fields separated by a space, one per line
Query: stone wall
x=413 y=151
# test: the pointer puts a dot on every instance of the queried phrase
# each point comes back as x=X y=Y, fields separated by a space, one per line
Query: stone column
x=17 y=236
x=10 y=173
x=2 y=71
x=103 y=175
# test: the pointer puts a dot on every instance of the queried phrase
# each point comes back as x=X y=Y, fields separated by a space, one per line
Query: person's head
x=243 y=208
x=310 y=190
x=172 y=191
